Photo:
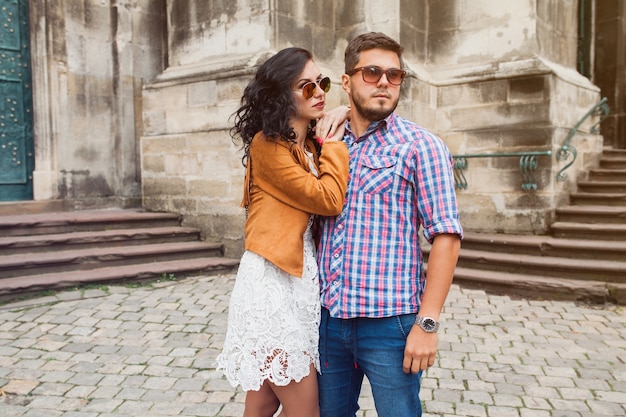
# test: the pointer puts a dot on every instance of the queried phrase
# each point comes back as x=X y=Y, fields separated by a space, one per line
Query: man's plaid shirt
x=370 y=260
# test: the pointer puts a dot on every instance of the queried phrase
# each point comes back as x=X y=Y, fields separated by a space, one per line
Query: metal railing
x=528 y=160
x=527 y=165
x=601 y=110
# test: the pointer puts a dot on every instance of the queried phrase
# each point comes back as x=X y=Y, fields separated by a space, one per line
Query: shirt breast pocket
x=377 y=174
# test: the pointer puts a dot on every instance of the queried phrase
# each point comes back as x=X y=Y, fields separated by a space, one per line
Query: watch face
x=429 y=324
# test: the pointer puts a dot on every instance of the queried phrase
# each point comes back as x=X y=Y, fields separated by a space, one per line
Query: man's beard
x=373 y=114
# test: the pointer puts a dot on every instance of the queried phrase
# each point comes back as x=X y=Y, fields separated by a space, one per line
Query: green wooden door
x=16 y=121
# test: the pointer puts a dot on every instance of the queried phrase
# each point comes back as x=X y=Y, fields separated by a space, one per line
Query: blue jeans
x=351 y=348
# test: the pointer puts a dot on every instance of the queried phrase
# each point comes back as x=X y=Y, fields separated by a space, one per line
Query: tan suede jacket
x=281 y=193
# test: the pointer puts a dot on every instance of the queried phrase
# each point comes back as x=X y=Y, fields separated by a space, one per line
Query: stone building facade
x=132 y=99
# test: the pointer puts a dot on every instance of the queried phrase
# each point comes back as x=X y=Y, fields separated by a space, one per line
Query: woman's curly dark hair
x=267 y=102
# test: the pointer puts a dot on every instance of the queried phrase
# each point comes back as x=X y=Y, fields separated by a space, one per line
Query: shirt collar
x=373 y=127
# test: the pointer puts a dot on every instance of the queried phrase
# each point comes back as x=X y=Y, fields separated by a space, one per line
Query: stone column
x=89 y=61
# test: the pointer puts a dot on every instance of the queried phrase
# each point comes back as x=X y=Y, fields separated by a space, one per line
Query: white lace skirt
x=273 y=321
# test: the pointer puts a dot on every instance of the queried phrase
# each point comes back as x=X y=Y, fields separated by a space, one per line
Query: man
x=379 y=318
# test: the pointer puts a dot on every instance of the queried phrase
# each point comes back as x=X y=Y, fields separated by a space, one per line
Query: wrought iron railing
x=528 y=160
x=600 y=110
x=527 y=165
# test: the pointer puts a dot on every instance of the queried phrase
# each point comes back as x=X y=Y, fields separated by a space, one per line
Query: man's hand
x=420 y=350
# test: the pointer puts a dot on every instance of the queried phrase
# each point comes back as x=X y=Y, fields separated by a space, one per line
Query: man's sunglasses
x=308 y=89
x=372 y=74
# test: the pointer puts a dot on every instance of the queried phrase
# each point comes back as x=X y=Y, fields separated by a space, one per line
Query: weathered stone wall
x=199 y=30
x=470 y=32
x=511 y=115
x=190 y=164
x=487 y=76
x=499 y=79
x=89 y=61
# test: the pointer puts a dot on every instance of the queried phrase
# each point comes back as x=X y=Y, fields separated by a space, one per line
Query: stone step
x=564 y=268
x=82 y=240
x=614 y=151
x=88 y=220
x=12 y=208
x=598 y=199
x=538 y=286
x=589 y=231
x=607 y=175
x=616 y=161
x=44 y=249
x=84 y=259
x=545 y=246
x=592 y=214
x=10 y=287
x=607 y=187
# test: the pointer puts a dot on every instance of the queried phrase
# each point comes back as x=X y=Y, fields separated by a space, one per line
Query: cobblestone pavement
x=149 y=351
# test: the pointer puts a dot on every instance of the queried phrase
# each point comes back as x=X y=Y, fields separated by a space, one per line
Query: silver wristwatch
x=428 y=324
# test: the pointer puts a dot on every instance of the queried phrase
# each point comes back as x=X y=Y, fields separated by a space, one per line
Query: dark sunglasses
x=372 y=74
x=308 y=89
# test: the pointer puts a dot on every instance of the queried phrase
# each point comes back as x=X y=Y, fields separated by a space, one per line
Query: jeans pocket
x=405 y=323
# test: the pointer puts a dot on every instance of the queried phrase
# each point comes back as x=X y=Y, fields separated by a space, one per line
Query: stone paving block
x=502 y=411
x=157 y=395
x=85 y=364
x=133 y=369
x=495 y=377
x=607 y=408
x=470 y=410
x=507 y=400
x=105 y=392
x=162 y=383
x=573 y=405
x=481 y=386
x=191 y=384
x=24 y=374
x=439 y=407
x=450 y=395
x=20 y=387
x=52 y=389
x=56 y=376
x=182 y=362
x=478 y=397
x=131 y=393
x=522 y=380
x=80 y=391
x=134 y=408
x=157 y=370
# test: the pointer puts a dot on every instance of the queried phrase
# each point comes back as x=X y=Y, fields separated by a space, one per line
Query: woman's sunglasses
x=372 y=74
x=308 y=89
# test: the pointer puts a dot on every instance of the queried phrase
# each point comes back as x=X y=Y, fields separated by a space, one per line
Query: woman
x=274 y=312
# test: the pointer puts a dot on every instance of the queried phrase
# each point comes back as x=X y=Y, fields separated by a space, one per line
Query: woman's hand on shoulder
x=330 y=127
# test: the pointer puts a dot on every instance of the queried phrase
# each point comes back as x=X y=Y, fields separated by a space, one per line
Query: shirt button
x=340 y=227
x=336 y=256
